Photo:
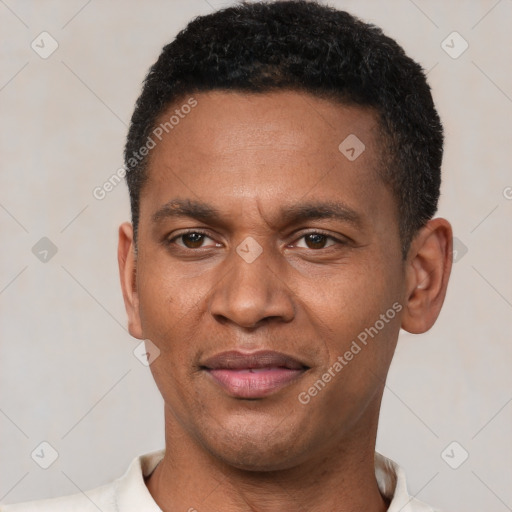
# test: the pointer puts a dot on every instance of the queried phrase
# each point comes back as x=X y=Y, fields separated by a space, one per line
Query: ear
x=428 y=268
x=128 y=274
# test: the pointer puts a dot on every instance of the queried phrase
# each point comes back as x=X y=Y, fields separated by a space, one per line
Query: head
x=301 y=46
x=283 y=163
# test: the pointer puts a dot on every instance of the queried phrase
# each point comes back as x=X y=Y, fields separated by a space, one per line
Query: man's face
x=270 y=271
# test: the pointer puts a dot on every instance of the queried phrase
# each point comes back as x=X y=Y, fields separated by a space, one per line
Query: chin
x=258 y=458
x=259 y=448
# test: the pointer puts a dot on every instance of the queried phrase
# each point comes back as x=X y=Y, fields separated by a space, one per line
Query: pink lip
x=253 y=375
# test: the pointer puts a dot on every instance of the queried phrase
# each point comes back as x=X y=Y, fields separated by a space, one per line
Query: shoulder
x=102 y=498
x=392 y=484
x=128 y=493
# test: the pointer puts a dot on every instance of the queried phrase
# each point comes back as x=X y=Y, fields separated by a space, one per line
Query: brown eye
x=192 y=240
x=315 y=240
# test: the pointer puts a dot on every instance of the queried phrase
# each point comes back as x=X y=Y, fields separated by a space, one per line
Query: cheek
x=357 y=317
x=166 y=300
x=170 y=309
x=166 y=320
x=347 y=301
x=360 y=345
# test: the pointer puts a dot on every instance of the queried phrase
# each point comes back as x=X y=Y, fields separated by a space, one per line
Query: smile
x=254 y=375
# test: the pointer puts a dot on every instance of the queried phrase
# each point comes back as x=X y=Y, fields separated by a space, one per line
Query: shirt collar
x=392 y=484
x=132 y=495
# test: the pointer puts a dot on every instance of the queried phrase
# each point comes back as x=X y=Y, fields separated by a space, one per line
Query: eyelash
x=170 y=241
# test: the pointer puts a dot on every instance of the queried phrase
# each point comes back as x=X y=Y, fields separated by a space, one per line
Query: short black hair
x=301 y=45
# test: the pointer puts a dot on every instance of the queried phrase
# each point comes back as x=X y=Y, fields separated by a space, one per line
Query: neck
x=341 y=479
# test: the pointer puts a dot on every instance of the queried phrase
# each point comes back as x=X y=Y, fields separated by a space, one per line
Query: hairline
x=383 y=138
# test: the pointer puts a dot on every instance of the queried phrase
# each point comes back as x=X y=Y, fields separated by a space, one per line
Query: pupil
x=316 y=239
x=194 y=239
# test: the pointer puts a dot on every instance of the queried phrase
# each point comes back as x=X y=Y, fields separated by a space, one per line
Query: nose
x=252 y=292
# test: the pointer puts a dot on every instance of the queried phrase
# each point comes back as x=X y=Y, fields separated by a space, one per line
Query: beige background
x=68 y=375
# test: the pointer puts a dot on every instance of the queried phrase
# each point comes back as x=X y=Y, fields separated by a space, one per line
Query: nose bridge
x=252 y=291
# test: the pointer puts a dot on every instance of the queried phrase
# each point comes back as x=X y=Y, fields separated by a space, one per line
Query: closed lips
x=253 y=376
x=234 y=360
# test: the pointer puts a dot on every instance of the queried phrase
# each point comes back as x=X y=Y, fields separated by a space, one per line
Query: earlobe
x=128 y=276
x=428 y=270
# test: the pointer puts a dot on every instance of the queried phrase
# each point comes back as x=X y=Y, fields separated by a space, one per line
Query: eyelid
x=340 y=240
x=319 y=231
x=199 y=231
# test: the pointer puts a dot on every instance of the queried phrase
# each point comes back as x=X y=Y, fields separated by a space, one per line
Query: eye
x=318 y=240
x=195 y=240
x=191 y=240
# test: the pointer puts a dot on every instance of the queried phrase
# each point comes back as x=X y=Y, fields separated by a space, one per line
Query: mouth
x=253 y=375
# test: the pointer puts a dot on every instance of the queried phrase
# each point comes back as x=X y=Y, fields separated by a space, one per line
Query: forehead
x=274 y=126
x=224 y=121
x=273 y=146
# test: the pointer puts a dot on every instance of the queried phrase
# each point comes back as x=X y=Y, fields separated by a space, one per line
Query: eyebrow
x=287 y=215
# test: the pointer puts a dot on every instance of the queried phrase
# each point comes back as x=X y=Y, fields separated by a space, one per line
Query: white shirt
x=130 y=494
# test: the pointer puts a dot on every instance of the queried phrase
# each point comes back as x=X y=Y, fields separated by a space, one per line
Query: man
x=283 y=163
